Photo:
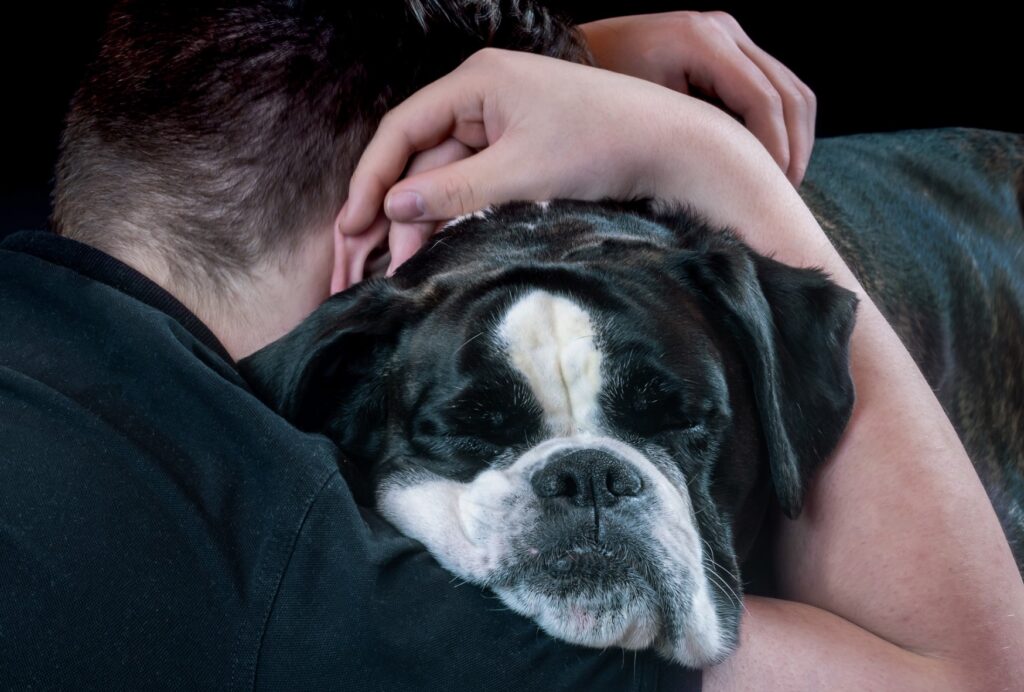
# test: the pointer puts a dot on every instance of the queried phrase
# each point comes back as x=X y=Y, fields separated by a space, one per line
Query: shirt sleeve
x=360 y=606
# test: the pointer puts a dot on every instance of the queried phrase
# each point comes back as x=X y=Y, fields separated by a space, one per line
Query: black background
x=872 y=66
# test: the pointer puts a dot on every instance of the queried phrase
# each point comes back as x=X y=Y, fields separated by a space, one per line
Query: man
x=160 y=527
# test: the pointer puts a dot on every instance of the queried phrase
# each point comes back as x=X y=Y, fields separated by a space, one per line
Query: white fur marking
x=479 y=214
x=550 y=340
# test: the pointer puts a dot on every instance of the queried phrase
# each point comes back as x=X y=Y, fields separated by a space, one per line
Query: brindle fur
x=932 y=223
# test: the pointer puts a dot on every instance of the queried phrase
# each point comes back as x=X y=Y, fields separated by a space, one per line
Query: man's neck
x=260 y=307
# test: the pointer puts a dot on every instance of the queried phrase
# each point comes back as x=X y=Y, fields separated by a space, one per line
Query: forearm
x=897 y=535
x=793 y=646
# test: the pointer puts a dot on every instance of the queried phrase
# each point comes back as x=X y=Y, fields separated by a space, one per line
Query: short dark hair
x=217 y=133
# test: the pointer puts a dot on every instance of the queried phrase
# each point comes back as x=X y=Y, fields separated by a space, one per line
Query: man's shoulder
x=165 y=525
x=148 y=501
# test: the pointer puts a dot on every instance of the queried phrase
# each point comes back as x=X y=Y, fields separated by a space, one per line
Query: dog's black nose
x=587 y=478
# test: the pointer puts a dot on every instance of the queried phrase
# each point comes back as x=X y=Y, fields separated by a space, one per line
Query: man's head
x=583 y=407
x=210 y=142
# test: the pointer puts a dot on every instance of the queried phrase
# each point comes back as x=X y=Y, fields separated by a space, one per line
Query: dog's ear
x=793 y=329
x=326 y=374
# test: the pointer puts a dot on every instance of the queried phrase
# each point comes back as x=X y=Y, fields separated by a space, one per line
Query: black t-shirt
x=161 y=528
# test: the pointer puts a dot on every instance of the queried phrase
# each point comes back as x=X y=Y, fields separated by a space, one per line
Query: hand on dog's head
x=575 y=403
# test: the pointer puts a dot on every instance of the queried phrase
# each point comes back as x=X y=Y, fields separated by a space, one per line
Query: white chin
x=628 y=622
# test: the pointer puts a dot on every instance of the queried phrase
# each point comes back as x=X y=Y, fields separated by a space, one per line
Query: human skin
x=709 y=52
x=896 y=574
x=701 y=52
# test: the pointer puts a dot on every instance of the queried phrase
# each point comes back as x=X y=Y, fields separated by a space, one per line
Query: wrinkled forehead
x=534 y=232
x=555 y=293
x=569 y=349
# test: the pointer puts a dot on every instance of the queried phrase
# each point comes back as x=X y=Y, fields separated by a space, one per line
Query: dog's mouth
x=586 y=536
x=588 y=591
x=583 y=564
x=576 y=562
x=594 y=595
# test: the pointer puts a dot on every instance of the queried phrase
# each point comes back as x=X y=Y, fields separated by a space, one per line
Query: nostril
x=555 y=481
x=623 y=482
x=565 y=485
x=587 y=477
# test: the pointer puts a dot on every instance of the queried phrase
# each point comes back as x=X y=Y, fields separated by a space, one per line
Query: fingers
x=745 y=89
x=406 y=238
x=799 y=106
x=785 y=121
x=459 y=188
x=451 y=107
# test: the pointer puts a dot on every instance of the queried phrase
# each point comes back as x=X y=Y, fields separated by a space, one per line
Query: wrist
x=714 y=164
x=707 y=159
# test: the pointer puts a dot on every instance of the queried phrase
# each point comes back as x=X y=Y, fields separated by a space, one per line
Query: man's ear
x=793 y=329
x=352 y=253
x=326 y=374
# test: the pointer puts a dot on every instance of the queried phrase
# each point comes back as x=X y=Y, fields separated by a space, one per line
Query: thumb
x=462 y=187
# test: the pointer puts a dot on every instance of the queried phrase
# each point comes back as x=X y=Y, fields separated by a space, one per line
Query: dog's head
x=574 y=404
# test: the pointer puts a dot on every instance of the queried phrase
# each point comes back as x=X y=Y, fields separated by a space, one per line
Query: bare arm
x=897 y=541
x=898 y=571
x=711 y=54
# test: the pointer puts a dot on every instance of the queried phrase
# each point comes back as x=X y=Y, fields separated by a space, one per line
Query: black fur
x=793 y=328
x=343 y=367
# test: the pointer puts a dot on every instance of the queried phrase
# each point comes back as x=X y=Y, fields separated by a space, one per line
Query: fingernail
x=405 y=206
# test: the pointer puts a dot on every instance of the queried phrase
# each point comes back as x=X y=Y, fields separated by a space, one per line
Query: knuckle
x=724 y=19
x=793 y=100
x=681 y=20
x=810 y=97
x=769 y=96
x=680 y=15
x=716 y=37
x=458 y=195
x=714 y=30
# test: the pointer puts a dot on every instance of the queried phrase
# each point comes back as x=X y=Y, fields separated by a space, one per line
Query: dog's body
x=586 y=406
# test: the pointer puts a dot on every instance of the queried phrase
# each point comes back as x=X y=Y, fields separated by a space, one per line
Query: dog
x=589 y=407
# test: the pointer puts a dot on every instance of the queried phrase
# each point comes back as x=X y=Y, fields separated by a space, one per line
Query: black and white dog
x=589 y=408
x=586 y=407
x=566 y=403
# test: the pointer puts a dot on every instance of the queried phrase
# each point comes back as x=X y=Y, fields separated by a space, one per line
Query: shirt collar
x=99 y=266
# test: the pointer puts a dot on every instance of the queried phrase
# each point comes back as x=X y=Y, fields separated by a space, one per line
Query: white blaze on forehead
x=551 y=341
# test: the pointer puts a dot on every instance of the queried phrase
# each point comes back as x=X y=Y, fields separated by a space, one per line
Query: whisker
x=464 y=343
